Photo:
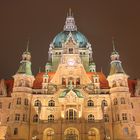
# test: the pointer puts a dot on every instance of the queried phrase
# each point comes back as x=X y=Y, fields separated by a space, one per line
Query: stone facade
x=70 y=100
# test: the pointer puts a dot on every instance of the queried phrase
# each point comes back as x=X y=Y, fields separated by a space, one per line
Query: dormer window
x=70 y=50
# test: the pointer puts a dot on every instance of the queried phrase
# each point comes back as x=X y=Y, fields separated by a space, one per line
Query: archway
x=93 y=134
x=71 y=134
x=48 y=134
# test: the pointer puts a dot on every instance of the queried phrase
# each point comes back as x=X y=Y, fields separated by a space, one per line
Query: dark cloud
x=42 y=20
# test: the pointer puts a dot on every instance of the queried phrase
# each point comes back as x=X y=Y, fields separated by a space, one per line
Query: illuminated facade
x=70 y=100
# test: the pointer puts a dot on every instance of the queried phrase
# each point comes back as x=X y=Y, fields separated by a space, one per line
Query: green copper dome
x=62 y=37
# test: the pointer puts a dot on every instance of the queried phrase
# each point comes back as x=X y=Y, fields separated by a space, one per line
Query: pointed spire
x=113 y=43
x=70 y=22
x=70 y=14
x=39 y=70
x=101 y=70
x=116 y=66
x=27 y=48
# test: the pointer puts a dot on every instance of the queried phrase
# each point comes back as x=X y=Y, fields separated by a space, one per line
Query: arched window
x=126 y=131
x=0 y=105
x=104 y=103
x=51 y=103
x=91 y=117
x=35 y=118
x=15 y=131
x=37 y=103
x=26 y=101
x=106 y=118
x=18 y=101
x=71 y=114
x=115 y=101
x=122 y=100
x=51 y=118
x=90 y=103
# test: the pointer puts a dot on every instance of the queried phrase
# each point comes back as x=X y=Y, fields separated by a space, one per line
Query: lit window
x=106 y=118
x=17 y=117
x=7 y=119
x=117 y=117
x=0 y=105
x=91 y=117
x=15 y=131
x=51 y=103
x=37 y=103
x=115 y=101
x=132 y=105
x=133 y=118
x=26 y=101
x=24 y=117
x=35 y=118
x=122 y=100
x=18 y=101
x=104 y=103
x=9 y=106
x=124 y=116
x=90 y=103
x=51 y=118
x=71 y=114
x=126 y=131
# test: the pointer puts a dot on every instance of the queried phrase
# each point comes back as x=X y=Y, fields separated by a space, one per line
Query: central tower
x=58 y=47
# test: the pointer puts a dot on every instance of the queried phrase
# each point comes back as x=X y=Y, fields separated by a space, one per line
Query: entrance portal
x=93 y=134
x=71 y=134
x=48 y=134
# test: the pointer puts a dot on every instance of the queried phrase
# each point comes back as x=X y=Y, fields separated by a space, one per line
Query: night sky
x=41 y=20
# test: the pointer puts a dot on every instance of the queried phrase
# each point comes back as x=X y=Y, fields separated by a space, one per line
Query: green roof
x=65 y=92
x=25 y=68
x=116 y=67
x=62 y=37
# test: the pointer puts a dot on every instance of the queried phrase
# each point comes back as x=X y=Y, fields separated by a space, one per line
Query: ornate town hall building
x=70 y=100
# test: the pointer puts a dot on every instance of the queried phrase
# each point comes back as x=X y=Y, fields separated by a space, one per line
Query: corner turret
x=23 y=79
x=117 y=77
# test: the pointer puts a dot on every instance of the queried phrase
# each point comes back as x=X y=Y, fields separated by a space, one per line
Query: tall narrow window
x=106 y=118
x=26 y=101
x=117 y=117
x=124 y=116
x=9 y=105
x=35 y=118
x=70 y=50
x=71 y=114
x=15 y=131
x=24 y=117
x=122 y=100
x=18 y=101
x=0 y=105
x=132 y=105
x=115 y=101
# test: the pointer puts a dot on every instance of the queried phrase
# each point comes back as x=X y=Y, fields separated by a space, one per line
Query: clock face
x=71 y=62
